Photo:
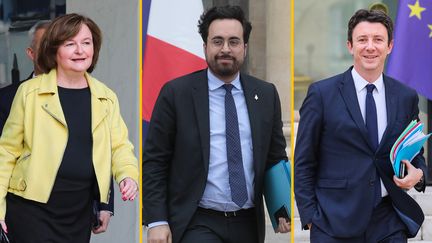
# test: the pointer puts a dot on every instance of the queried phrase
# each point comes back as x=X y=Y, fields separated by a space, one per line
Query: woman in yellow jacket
x=63 y=141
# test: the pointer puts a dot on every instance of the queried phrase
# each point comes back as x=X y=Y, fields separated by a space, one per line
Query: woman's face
x=76 y=54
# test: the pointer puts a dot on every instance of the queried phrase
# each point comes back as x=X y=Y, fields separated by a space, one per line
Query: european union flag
x=411 y=59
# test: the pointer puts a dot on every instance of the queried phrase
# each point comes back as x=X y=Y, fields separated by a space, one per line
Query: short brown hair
x=60 y=30
x=371 y=16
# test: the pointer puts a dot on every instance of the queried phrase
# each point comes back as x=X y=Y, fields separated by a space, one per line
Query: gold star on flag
x=430 y=27
x=416 y=9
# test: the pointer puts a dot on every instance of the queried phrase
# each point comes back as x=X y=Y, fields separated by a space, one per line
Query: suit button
x=371 y=183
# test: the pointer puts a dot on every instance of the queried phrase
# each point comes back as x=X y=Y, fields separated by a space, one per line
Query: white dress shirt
x=380 y=102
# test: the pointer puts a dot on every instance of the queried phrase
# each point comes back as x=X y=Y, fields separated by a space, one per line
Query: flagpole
x=429 y=145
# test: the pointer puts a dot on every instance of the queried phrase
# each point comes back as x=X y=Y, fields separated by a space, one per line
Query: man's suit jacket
x=176 y=152
x=7 y=95
x=335 y=165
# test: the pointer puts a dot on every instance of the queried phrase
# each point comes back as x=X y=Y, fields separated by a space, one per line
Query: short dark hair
x=372 y=16
x=60 y=30
x=224 y=12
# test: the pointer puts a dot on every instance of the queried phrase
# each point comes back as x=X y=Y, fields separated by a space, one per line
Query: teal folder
x=407 y=146
x=277 y=192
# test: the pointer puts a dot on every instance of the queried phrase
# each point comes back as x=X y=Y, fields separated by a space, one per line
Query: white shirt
x=380 y=103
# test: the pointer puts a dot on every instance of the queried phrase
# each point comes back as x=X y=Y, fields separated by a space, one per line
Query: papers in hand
x=407 y=146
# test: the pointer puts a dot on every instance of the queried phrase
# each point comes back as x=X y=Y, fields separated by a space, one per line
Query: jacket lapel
x=391 y=98
x=201 y=104
x=349 y=95
x=251 y=91
x=50 y=98
x=51 y=103
x=98 y=109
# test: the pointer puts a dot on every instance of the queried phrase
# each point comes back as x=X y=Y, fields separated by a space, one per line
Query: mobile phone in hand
x=96 y=223
x=96 y=215
x=402 y=170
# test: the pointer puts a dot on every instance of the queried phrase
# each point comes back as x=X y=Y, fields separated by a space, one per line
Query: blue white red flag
x=173 y=48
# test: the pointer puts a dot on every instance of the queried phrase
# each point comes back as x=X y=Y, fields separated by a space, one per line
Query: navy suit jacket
x=177 y=149
x=335 y=165
x=7 y=95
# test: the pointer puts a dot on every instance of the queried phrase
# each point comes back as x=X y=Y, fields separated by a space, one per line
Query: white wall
x=118 y=67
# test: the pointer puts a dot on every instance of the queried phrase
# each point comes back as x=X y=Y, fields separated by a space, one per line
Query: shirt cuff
x=157 y=223
x=111 y=213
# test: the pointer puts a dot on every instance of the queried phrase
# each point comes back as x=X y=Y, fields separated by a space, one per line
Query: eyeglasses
x=232 y=43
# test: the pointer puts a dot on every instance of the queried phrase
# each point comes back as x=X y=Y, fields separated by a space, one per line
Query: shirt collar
x=215 y=83
x=360 y=83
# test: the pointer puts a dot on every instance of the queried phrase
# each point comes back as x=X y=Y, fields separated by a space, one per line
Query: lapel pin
x=256 y=97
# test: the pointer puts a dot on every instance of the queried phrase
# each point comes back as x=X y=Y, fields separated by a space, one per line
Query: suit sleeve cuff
x=421 y=185
x=157 y=223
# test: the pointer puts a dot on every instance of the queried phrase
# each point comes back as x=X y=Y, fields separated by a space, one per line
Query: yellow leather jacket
x=35 y=136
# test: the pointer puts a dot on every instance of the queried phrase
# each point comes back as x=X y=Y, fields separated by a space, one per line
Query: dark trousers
x=214 y=227
x=384 y=227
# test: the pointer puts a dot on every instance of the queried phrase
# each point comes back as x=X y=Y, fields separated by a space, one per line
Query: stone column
x=278 y=55
x=256 y=61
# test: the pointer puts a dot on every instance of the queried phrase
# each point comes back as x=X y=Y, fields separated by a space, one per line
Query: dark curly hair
x=224 y=12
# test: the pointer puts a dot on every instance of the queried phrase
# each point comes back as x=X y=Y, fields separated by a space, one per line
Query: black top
x=77 y=163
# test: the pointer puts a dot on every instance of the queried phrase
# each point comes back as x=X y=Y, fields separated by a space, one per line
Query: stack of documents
x=407 y=146
x=277 y=192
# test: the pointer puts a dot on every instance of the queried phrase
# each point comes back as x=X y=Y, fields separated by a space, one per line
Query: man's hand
x=411 y=179
x=284 y=226
x=159 y=234
x=104 y=218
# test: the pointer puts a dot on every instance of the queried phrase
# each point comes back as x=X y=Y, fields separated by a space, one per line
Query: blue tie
x=371 y=117
x=372 y=128
x=235 y=162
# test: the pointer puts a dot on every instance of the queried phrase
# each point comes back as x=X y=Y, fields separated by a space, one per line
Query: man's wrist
x=420 y=183
x=157 y=223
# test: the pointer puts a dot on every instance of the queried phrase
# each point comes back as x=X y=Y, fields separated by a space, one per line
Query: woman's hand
x=104 y=218
x=128 y=189
x=3 y=225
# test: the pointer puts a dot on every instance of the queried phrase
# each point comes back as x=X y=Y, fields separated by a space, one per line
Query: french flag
x=172 y=47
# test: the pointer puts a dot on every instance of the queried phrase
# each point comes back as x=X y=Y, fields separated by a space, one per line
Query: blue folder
x=408 y=153
x=277 y=192
x=407 y=146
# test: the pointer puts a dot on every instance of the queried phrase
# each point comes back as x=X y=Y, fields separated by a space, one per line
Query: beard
x=224 y=69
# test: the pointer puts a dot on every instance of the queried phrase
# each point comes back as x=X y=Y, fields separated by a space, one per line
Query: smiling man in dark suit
x=212 y=135
x=345 y=187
